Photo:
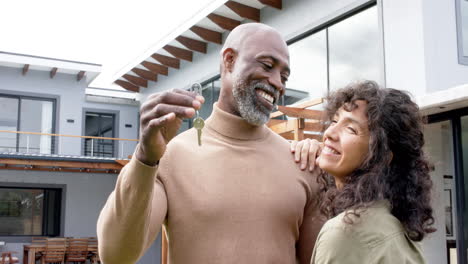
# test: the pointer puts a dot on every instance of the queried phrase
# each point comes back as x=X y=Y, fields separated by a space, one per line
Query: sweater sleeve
x=133 y=214
x=311 y=224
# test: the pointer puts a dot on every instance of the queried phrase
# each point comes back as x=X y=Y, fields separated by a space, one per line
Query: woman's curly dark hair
x=395 y=168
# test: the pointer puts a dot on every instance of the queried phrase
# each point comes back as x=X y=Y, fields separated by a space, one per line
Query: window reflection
x=354 y=50
x=8 y=121
x=308 y=60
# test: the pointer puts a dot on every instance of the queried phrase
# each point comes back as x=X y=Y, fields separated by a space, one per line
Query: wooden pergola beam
x=150 y=76
x=25 y=69
x=61 y=163
x=128 y=86
x=244 y=11
x=57 y=169
x=224 y=22
x=300 y=112
x=292 y=136
x=156 y=68
x=182 y=54
x=167 y=61
x=208 y=34
x=80 y=75
x=53 y=72
x=192 y=44
x=278 y=4
x=136 y=80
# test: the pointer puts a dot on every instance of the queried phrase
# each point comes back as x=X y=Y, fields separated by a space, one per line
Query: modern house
x=58 y=159
x=420 y=46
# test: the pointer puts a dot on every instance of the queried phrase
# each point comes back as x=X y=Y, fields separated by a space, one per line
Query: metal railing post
x=92 y=147
x=27 y=143
x=121 y=149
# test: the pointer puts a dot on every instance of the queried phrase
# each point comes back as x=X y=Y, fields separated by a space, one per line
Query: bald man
x=239 y=197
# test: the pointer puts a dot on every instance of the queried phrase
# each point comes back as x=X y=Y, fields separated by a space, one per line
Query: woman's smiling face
x=346 y=142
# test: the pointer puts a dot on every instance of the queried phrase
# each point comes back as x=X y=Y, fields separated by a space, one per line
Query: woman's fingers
x=305 y=153
x=297 y=151
x=314 y=152
x=293 y=146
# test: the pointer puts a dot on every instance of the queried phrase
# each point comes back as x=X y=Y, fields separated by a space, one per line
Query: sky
x=111 y=33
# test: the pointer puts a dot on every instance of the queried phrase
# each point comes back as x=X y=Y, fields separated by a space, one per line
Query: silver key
x=198 y=124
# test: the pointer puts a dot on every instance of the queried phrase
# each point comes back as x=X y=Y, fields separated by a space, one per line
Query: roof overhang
x=445 y=100
x=82 y=70
x=205 y=28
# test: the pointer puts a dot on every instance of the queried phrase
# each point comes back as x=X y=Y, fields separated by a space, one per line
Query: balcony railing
x=34 y=143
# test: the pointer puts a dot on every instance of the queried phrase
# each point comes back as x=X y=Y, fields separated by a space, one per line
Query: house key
x=198 y=122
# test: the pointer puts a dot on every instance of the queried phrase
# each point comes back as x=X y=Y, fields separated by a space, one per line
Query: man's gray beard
x=250 y=109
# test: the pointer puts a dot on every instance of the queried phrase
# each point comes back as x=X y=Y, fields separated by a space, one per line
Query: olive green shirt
x=374 y=237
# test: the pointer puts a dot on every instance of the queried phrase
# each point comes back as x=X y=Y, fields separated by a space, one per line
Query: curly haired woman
x=375 y=179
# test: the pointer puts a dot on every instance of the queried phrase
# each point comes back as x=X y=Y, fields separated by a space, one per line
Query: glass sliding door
x=99 y=125
x=441 y=247
x=36 y=116
x=464 y=184
x=27 y=114
x=9 y=122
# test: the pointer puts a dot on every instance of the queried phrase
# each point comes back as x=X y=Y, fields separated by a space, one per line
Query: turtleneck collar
x=234 y=126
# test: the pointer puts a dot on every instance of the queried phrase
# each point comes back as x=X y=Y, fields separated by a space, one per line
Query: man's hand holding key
x=160 y=119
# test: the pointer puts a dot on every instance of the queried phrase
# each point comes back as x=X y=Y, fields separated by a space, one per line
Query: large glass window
x=462 y=28
x=308 y=60
x=29 y=211
x=333 y=57
x=354 y=49
x=8 y=121
x=26 y=114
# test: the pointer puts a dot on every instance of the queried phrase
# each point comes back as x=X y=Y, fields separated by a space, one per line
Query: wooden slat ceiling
x=195 y=39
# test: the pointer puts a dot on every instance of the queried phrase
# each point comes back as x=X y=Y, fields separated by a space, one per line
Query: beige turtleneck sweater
x=238 y=198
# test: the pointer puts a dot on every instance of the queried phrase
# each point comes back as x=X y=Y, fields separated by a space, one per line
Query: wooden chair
x=38 y=241
x=77 y=251
x=93 y=254
x=305 y=120
x=55 y=251
x=7 y=258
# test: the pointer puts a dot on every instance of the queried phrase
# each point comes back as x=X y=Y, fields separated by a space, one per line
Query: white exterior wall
x=440 y=38
x=84 y=196
x=70 y=105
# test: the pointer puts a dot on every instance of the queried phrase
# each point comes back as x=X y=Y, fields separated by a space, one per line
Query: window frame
x=52 y=99
x=462 y=59
x=454 y=117
x=61 y=218
x=116 y=115
x=339 y=17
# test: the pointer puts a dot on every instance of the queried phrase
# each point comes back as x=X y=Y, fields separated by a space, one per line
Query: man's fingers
x=164 y=109
x=157 y=123
x=175 y=97
x=305 y=154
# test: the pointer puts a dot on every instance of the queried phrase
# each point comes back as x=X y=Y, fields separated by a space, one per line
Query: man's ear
x=229 y=58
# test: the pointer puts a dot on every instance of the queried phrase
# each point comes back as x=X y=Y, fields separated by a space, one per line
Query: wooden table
x=29 y=252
